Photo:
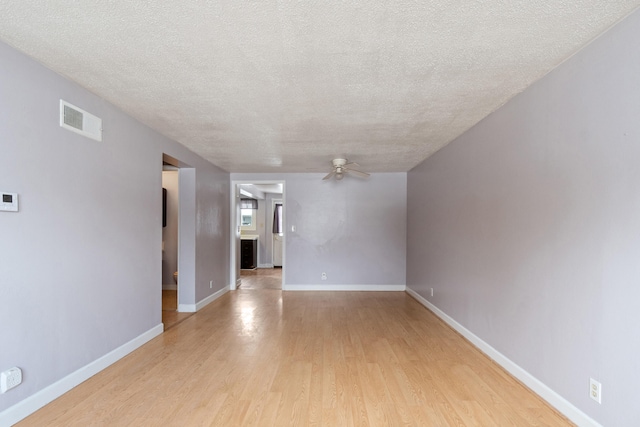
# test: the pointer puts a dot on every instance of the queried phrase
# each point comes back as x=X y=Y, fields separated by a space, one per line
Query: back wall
x=353 y=230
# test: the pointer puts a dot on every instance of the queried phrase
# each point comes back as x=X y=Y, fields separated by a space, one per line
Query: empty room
x=319 y=213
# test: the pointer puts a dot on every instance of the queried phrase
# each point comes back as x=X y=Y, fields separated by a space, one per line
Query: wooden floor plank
x=263 y=357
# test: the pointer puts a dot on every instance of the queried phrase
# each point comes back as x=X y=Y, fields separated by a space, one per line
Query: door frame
x=186 y=233
x=234 y=258
x=275 y=202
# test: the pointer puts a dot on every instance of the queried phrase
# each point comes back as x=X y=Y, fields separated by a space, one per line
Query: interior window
x=248 y=219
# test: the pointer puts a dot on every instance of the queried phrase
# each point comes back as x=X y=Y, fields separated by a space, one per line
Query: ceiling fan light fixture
x=341 y=167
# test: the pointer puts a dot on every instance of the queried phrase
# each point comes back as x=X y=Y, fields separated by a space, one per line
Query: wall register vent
x=79 y=121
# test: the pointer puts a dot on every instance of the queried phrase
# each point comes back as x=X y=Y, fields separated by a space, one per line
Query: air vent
x=79 y=121
x=72 y=117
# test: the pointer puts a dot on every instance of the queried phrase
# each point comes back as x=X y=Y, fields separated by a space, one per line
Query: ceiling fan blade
x=352 y=164
x=330 y=175
x=358 y=173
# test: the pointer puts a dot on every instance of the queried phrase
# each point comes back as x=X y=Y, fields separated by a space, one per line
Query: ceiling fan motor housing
x=338 y=163
x=342 y=167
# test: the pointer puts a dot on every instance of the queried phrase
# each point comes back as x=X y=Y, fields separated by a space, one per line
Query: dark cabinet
x=248 y=254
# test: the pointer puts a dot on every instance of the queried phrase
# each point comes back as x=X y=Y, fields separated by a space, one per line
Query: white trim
x=265 y=265
x=554 y=399
x=275 y=202
x=187 y=308
x=31 y=404
x=192 y=308
x=211 y=298
x=169 y=287
x=234 y=195
x=373 y=288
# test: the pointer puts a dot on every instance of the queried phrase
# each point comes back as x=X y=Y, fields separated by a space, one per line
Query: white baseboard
x=233 y=286
x=265 y=265
x=28 y=406
x=537 y=386
x=187 y=308
x=169 y=287
x=192 y=308
x=373 y=288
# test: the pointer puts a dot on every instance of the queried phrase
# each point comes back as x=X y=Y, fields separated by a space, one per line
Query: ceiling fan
x=342 y=167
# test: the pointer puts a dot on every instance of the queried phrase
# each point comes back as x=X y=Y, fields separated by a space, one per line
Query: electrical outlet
x=595 y=390
x=9 y=379
x=210 y=284
x=323 y=276
x=431 y=291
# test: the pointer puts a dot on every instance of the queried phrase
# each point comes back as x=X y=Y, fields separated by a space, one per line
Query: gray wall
x=80 y=264
x=354 y=230
x=528 y=227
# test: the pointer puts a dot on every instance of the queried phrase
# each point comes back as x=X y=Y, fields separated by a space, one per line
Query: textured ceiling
x=273 y=85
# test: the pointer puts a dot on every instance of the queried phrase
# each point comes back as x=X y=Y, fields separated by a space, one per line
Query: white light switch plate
x=8 y=202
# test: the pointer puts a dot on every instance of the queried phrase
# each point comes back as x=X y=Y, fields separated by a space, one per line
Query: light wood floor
x=272 y=358
x=170 y=314
x=261 y=278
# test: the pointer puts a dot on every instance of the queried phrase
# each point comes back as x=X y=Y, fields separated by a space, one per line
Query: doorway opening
x=170 y=223
x=258 y=231
x=175 y=184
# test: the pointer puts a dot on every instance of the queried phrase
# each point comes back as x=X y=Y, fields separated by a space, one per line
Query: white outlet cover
x=595 y=390
x=9 y=379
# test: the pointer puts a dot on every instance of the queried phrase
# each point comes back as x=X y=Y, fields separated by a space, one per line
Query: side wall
x=80 y=262
x=353 y=230
x=527 y=227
